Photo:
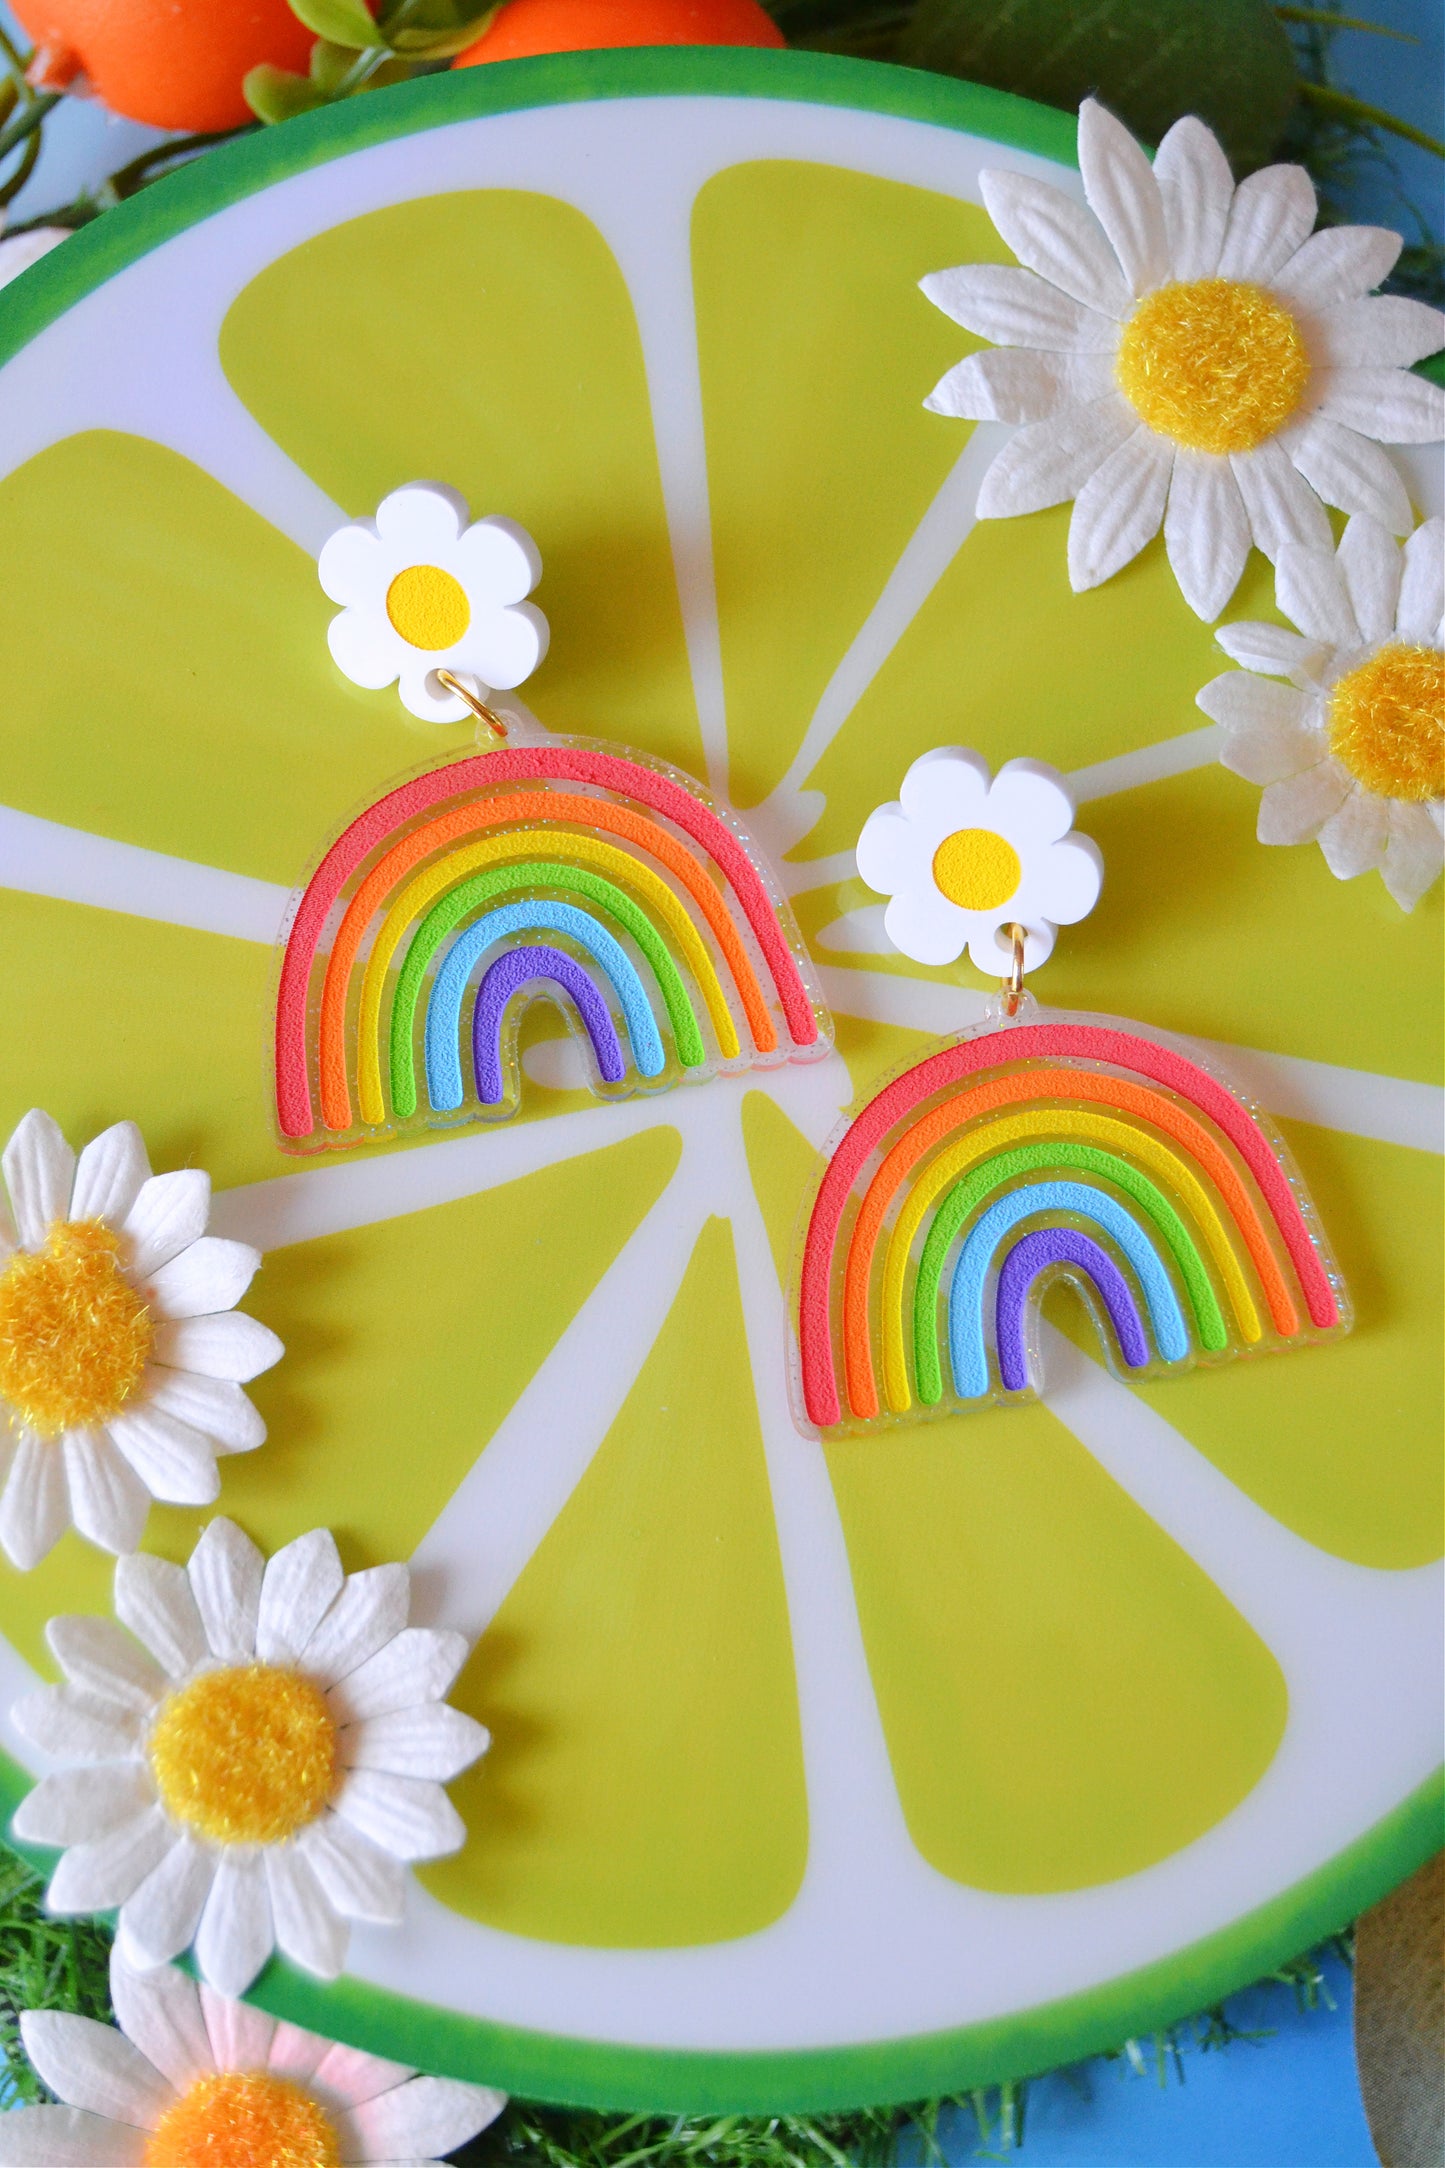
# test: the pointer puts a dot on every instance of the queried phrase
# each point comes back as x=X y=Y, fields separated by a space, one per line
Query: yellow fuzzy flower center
x=976 y=869
x=1387 y=723
x=428 y=607
x=74 y=1334
x=1218 y=365
x=247 y=1755
x=244 y=2119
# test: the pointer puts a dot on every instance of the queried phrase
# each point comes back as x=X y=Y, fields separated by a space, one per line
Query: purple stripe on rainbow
x=1035 y=1254
x=506 y=977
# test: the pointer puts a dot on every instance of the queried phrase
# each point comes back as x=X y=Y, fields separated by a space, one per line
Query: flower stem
x=1342 y=106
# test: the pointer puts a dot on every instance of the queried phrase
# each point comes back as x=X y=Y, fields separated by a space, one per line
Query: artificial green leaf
x=340 y=22
x=330 y=65
x=440 y=43
x=274 y=95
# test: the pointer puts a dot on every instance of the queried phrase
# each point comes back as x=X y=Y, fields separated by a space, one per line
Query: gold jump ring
x=478 y=707
x=1013 y=985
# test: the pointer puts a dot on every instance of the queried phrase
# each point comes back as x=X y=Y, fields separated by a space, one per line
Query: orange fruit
x=570 y=26
x=174 y=63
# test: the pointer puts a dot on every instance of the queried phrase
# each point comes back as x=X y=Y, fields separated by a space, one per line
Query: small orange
x=524 y=27
x=174 y=63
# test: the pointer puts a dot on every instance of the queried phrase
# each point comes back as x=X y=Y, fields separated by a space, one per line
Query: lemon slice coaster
x=823 y=1772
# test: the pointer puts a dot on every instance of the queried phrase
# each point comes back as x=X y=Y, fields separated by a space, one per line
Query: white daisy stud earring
x=254 y=1763
x=428 y=596
x=122 y=1353
x=1037 y=1146
x=1187 y=354
x=1343 y=720
x=186 y=2077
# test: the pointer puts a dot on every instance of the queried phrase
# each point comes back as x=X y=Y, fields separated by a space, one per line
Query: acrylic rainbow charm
x=1068 y=1147
x=603 y=880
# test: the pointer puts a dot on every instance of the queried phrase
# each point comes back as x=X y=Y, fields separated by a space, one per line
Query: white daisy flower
x=1187 y=353
x=122 y=1356
x=1351 y=749
x=963 y=857
x=190 y=2079
x=424 y=591
x=261 y=1770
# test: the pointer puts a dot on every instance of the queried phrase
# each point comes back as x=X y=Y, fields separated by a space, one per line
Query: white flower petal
x=300 y=1585
x=408 y=1818
x=159 y=1919
x=211 y=1275
x=353 y=567
x=1337 y=263
x=108 y=1501
x=1029 y=803
x=240 y=2035
x=1017 y=308
x=1265 y=751
x=1239 y=697
x=219 y=1410
x=110 y=1174
x=226 y=1571
x=35 y=1505
x=418 y=2121
x=74 y=1806
x=1274 y=649
x=174 y=1462
x=1281 y=505
x=1371 y=564
x=1197 y=189
x=419 y=1664
x=1353 y=840
x=498 y=560
x=1056 y=237
x=231 y=1346
x=68 y=2138
x=39 y=1168
x=235 y=1938
x=990 y=948
x=1014 y=384
x=1414 y=854
x=1206 y=532
x=434 y=1741
x=1310 y=588
x=1064 y=886
x=1392 y=405
x=1048 y=462
x=1385 y=330
x=1119 y=509
x=1348 y=471
x=887 y=849
x=1422 y=584
x=1124 y=196
x=1295 y=810
x=345 y=2076
x=93 y=1877
x=370 y=1611
x=944 y=789
x=308 y=1929
x=161 y=2012
x=94 y=2067
x=1272 y=213
x=169 y=1213
x=365 y=649
x=295 y=2053
x=73 y=1725
x=153 y=1598
x=363 y=1882
x=424 y=696
x=98 y=1655
x=505 y=646
x=9 y=1242
x=924 y=925
x=421 y=518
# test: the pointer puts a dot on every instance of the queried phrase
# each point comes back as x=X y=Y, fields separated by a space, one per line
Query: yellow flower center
x=1216 y=364
x=74 y=1334
x=1387 y=723
x=246 y=1756
x=243 y=2119
x=976 y=869
x=428 y=607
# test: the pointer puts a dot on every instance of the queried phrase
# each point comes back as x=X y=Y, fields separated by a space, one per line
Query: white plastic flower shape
x=190 y=2080
x=261 y=1770
x=963 y=856
x=1187 y=353
x=424 y=591
x=122 y=1356
x=1351 y=748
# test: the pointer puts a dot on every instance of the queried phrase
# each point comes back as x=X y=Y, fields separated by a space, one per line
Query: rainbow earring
x=535 y=865
x=1039 y=1146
